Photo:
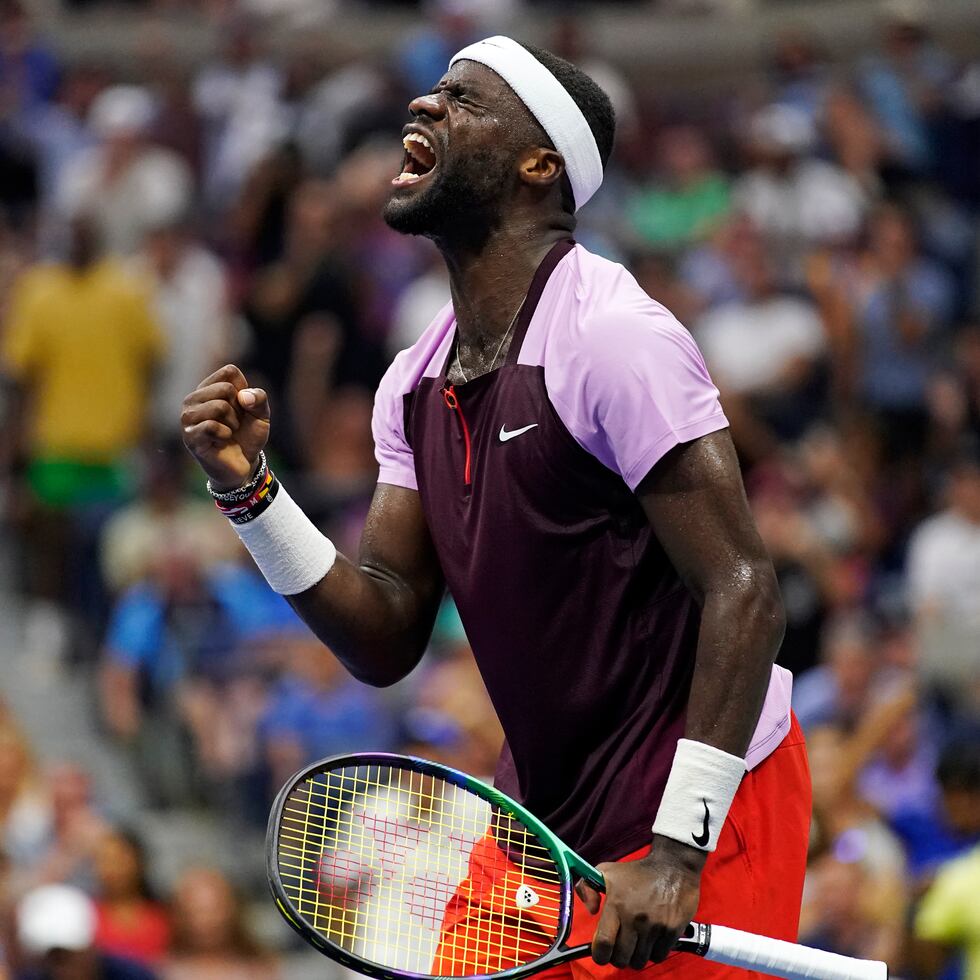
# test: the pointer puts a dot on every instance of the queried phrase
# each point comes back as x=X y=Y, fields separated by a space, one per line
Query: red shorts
x=752 y=881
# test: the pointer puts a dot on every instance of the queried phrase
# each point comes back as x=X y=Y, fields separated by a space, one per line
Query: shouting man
x=553 y=450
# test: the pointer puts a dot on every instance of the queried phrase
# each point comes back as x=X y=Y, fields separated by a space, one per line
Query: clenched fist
x=225 y=425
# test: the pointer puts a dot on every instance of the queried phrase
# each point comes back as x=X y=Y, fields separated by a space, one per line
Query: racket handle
x=778 y=958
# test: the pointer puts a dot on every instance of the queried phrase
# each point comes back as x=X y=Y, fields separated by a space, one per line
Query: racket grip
x=782 y=959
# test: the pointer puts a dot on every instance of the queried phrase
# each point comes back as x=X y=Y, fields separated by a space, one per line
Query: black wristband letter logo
x=702 y=839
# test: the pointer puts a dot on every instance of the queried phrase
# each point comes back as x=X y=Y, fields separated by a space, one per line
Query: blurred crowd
x=816 y=228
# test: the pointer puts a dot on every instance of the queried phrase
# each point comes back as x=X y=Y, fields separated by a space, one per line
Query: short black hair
x=587 y=95
x=959 y=766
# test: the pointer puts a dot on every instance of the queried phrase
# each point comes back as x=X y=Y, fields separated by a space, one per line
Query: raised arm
x=375 y=613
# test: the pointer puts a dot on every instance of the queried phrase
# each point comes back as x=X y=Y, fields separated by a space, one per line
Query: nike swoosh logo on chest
x=506 y=436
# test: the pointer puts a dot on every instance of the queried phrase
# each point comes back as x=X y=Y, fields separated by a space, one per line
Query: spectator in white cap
x=56 y=932
x=792 y=197
x=126 y=181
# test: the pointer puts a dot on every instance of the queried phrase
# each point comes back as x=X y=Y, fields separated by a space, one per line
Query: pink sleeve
x=396 y=461
x=775 y=720
x=636 y=387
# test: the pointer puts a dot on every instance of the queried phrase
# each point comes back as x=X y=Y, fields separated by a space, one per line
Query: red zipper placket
x=452 y=403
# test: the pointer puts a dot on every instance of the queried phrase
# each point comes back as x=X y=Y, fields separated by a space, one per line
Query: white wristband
x=286 y=545
x=700 y=789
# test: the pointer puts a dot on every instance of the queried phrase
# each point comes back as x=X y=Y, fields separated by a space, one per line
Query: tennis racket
x=403 y=869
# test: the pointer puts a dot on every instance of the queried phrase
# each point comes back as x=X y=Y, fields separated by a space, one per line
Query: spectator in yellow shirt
x=948 y=918
x=81 y=346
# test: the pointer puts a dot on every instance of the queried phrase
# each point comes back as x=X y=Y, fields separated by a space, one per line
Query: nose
x=432 y=105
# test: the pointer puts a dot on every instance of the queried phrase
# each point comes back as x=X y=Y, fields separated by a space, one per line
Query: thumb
x=589 y=895
x=255 y=401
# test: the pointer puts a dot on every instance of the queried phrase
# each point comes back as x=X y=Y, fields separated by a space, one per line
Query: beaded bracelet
x=243 y=511
x=246 y=491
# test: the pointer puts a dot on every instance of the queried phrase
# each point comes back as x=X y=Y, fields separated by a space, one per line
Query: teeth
x=416 y=138
x=411 y=178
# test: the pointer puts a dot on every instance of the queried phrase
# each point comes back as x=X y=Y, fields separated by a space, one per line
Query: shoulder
x=420 y=360
x=423 y=359
x=626 y=379
x=955 y=881
x=607 y=316
x=602 y=331
x=122 y=277
x=38 y=281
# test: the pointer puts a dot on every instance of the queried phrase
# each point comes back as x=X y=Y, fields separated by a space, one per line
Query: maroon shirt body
x=581 y=627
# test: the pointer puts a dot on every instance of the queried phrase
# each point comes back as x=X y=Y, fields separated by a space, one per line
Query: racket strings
x=415 y=873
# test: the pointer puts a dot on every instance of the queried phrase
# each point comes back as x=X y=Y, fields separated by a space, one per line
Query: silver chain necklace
x=503 y=340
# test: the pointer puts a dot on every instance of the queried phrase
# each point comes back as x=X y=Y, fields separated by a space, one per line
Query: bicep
x=695 y=501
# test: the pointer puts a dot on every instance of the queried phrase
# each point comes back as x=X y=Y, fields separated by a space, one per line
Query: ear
x=541 y=167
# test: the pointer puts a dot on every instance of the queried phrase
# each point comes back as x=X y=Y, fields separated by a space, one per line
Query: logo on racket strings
x=526 y=897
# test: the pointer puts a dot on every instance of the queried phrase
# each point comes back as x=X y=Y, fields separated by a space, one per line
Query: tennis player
x=553 y=450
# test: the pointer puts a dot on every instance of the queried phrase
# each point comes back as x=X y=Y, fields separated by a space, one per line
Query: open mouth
x=419 y=160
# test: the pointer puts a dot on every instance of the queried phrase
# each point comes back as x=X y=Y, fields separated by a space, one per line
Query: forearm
x=120 y=700
x=742 y=626
x=375 y=614
x=371 y=620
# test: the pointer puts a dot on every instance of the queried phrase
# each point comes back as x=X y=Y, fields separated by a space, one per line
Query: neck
x=489 y=283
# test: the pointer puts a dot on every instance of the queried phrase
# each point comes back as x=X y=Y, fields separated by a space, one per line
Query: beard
x=463 y=205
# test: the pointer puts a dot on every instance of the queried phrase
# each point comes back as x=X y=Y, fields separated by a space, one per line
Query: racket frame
x=745 y=950
x=570 y=866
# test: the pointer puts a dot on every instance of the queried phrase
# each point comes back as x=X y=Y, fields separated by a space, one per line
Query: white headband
x=549 y=103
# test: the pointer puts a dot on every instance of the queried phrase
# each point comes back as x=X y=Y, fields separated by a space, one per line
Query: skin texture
x=377 y=613
x=696 y=504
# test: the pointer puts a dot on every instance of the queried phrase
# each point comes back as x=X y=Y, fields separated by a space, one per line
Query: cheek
x=488 y=170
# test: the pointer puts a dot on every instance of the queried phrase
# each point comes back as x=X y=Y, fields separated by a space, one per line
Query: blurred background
x=188 y=182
